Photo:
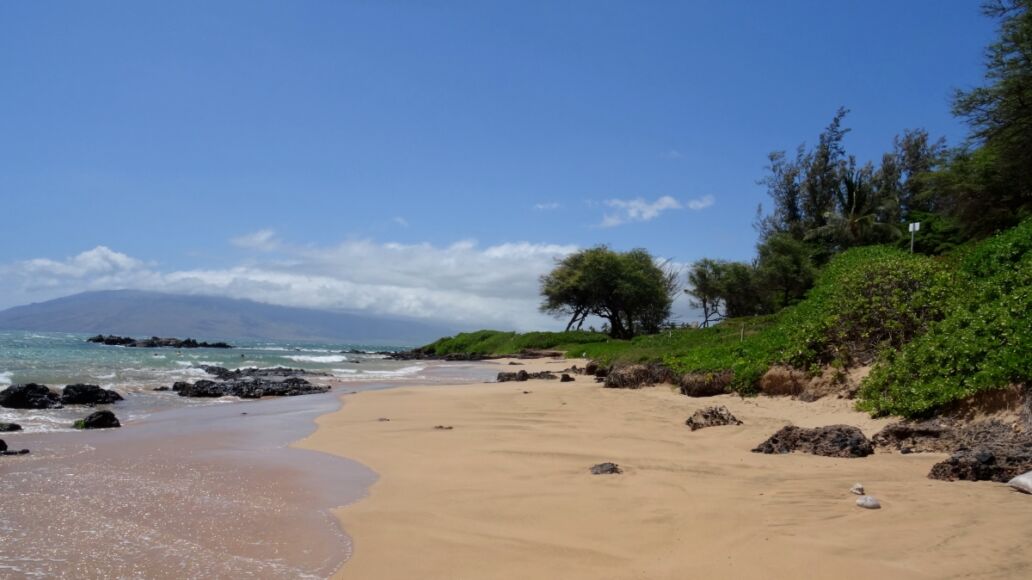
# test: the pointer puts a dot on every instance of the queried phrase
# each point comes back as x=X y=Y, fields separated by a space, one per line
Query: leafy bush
x=867 y=300
x=983 y=343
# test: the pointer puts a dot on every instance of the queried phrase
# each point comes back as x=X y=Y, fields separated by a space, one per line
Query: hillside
x=136 y=313
x=933 y=330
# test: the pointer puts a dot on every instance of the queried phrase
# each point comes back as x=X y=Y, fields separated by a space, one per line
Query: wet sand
x=189 y=493
x=507 y=493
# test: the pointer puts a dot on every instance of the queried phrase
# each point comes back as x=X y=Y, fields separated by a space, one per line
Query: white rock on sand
x=1022 y=482
x=868 y=502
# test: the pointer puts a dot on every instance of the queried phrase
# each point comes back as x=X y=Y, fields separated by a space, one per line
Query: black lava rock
x=830 y=441
x=88 y=395
x=29 y=396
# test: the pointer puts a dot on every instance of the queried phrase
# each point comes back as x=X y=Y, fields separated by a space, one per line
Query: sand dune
x=507 y=492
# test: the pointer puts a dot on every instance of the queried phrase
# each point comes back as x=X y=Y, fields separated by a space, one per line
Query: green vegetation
x=983 y=342
x=834 y=282
x=627 y=289
x=493 y=342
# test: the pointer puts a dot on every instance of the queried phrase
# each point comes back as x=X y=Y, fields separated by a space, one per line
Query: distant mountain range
x=143 y=314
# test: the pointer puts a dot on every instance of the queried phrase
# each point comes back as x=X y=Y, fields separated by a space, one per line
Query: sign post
x=914 y=227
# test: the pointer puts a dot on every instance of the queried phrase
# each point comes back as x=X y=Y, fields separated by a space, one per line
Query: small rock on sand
x=443 y=427
x=711 y=417
x=606 y=468
x=1022 y=482
x=857 y=489
x=868 y=502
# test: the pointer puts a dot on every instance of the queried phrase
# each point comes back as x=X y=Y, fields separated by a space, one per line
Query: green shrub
x=866 y=301
x=983 y=343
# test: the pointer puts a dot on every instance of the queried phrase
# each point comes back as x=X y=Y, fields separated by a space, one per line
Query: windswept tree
x=628 y=289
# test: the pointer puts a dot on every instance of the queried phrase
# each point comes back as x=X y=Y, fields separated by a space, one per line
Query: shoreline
x=194 y=491
x=507 y=493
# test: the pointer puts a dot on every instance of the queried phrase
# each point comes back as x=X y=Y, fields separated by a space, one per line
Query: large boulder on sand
x=705 y=384
x=943 y=436
x=29 y=396
x=88 y=395
x=98 y=420
x=830 y=441
x=711 y=417
x=1001 y=462
x=521 y=376
x=637 y=376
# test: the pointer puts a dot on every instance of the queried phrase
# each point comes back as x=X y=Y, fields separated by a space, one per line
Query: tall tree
x=821 y=179
x=1000 y=116
x=628 y=289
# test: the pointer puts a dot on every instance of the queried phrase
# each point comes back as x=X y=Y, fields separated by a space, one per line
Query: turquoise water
x=58 y=359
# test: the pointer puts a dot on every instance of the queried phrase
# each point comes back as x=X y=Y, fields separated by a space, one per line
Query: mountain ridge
x=144 y=313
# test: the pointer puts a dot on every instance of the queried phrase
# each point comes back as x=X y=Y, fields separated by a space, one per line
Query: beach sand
x=507 y=493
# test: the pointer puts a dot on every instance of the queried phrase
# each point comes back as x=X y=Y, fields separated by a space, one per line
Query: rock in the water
x=225 y=374
x=705 y=384
x=29 y=396
x=712 y=417
x=248 y=388
x=857 y=489
x=98 y=420
x=637 y=376
x=9 y=427
x=606 y=468
x=868 y=502
x=154 y=342
x=565 y=378
x=1022 y=482
x=830 y=441
x=4 y=451
x=88 y=395
x=1001 y=462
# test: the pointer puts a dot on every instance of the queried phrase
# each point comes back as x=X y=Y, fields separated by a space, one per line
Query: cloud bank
x=462 y=283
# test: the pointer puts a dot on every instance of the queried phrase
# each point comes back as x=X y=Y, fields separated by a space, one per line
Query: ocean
x=59 y=359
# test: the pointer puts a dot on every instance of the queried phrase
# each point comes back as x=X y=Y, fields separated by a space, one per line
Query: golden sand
x=507 y=493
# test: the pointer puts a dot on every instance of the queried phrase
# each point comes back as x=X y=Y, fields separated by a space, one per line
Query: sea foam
x=319 y=359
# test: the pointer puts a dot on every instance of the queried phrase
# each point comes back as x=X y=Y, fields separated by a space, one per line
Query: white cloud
x=547 y=206
x=100 y=261
x=264 y=240
x=637 y=210
x=700 y=202
x=673 y=154
x=460 y=283
x=400 y=221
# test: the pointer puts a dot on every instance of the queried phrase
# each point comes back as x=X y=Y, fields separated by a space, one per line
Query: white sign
x=915 y=227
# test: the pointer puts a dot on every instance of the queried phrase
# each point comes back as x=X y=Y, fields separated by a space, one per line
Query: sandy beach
x=507 y=492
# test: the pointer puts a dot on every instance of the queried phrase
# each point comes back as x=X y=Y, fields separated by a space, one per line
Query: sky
x=432 y=158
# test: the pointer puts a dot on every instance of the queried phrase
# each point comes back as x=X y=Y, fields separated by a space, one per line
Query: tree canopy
x=628 y=289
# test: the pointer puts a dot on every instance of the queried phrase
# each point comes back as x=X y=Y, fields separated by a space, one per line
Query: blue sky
x=237 y=144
